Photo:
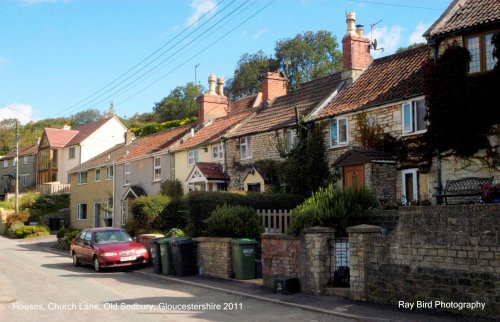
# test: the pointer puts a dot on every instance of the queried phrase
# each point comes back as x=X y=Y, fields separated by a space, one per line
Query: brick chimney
x=129 y=137
x=273 y=85
x=213 y=103
x=355 y=50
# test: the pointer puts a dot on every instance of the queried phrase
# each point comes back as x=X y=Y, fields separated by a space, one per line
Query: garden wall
x=280 y=257
x=445 y=253
x=214 y=256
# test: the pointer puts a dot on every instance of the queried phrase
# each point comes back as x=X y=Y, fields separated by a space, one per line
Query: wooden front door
x=354 y=176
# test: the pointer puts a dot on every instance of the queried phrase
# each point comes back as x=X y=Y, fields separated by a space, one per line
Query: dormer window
x=481 y=52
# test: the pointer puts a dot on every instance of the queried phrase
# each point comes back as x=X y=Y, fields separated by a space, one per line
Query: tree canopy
x=85 y=117
x=246 y=79
x=179 y=104
x=310 y=55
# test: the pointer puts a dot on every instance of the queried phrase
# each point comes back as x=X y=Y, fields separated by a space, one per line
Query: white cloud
x=22 y=112
x=259 y=33
x=200 y=8
x=416 y=35
x=387 y=38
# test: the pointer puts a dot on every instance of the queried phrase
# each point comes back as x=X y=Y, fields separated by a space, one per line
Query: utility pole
x=17 y=167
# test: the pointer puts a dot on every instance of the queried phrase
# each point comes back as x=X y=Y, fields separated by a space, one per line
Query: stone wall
x=214 y=256
x=280 y=257
x=445 y=253
x=263 y=145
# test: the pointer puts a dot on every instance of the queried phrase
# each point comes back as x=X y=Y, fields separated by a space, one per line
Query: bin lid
x=146 y=236
x=155 y=240
x=165 y=240
x=244 y=241
x=181 y=241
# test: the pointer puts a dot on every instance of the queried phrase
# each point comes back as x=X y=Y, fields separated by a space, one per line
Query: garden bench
x=464 y=187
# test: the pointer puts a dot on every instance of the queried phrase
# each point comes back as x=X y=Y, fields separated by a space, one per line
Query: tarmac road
x=42 y=286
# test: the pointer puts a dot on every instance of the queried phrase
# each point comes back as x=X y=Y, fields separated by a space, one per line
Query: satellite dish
x=375 y=44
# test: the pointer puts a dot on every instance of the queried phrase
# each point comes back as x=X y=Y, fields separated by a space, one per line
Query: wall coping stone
x=278 y=236
x=318 y=230
x=364 y=229
x=213 y=239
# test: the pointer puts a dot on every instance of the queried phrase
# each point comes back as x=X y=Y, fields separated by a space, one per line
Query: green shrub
x=147 y=209
x=11 y=231
x=131 y=226
x=172 y=189
x=61 y=232
x=70 y=235
x=233 y=221
x=175 y=232
x=173 y=215
x=199 y=205
x=32 y=231
x=332 y=207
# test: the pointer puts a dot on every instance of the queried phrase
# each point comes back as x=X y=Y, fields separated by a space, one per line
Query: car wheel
x=97 y=265
x=76 y=262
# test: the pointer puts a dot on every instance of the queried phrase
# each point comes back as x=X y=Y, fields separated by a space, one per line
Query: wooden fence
x=275 y=221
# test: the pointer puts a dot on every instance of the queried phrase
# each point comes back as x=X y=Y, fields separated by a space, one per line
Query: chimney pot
x=220 y=86
x=355 y=47
x=360 y=30
x=129 y=137
x=350 y=19
x=211 y=84
x=66 y=127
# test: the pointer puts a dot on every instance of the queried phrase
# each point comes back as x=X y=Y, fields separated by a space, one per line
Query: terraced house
x=27 y=170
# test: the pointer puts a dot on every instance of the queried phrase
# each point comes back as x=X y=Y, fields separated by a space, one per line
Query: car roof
x=103 y=229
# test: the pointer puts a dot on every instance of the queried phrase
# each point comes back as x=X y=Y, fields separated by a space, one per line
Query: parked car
x=107 y=247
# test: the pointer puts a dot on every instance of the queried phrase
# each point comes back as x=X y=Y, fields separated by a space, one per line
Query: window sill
x=155 y=181
x=247 y=158
x=413 y=133
x=81 y=184
x=109 y=179
x=343 y=145
x=126 y=185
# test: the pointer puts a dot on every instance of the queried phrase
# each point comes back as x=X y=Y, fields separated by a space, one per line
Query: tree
x=180 y=103
x=246 y=78
x=305 y=168
x=85 y=117
x=415 y=45
x=310 y=55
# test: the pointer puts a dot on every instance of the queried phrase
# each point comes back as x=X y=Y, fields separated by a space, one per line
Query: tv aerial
x=373 y=42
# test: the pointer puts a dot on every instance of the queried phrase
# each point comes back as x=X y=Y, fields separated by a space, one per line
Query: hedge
x=199 y=205
x=233 y=221
x=32 y=231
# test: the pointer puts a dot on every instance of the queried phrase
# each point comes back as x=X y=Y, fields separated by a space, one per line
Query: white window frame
x=124 y=211
x=414 y=173
x=24 y=179
x=110 y=170
x=79 y=215
x=413 y=112
x=14 y=161
x=80 y=177
x=291 y=139
x=71 y=153
x=247 y=143
x=5 y=163
x=337 y=120
x=192 y=157
x=126 y=174
x=155 y=168
x=217 y=152
x=96 y=171
x=25 y=159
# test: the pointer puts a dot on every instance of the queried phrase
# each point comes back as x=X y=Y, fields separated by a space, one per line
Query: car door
x=78 y=245
x=87 y=252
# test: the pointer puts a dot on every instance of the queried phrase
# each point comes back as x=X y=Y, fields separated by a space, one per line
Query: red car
x=107 y=247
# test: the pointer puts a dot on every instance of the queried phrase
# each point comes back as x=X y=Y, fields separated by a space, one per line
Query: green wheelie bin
x=243 y=251
x=166 y=255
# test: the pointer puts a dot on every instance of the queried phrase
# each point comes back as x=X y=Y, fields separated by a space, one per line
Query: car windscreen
x=111 y=236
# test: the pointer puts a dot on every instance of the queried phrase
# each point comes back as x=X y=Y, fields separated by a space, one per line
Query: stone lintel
x=364 y=229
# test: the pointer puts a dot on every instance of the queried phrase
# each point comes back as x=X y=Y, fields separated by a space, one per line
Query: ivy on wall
x=462 y=108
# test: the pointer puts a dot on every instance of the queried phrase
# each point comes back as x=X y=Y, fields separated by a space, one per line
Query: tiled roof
x=246 y=102
x=153 y=143
x=360 y=156
x=58 y=138
x=25 y=150
x=387 y=79
x=87 y=129
x=211 y=170
x=465 y=14
x=216 y=130
x=141 y=146
x=281 y=112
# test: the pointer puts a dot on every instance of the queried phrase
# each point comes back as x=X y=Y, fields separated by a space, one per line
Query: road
x=36 y=285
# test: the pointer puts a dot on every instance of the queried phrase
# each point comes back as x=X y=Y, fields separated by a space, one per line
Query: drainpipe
x=439 y=188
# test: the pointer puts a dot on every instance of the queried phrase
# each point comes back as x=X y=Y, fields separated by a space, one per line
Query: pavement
x=333 y=307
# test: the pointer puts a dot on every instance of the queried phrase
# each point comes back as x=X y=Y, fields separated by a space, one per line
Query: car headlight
x=140 y=251
x=109 y=254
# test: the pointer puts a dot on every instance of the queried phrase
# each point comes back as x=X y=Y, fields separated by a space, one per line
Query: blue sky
x=54 y=54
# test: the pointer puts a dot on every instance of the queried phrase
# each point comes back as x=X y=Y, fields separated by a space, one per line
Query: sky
x=59 y=57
